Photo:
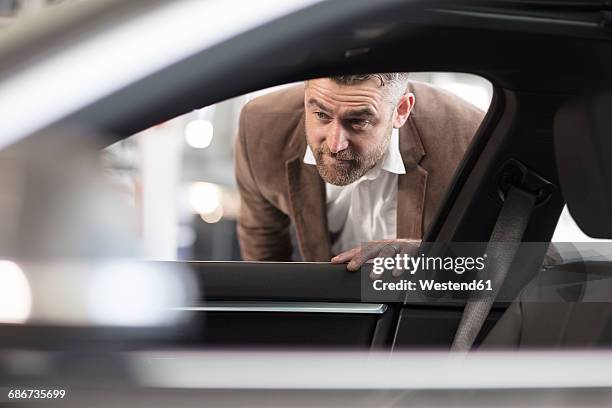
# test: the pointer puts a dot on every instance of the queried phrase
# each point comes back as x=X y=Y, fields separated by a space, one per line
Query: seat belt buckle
x=515 y=174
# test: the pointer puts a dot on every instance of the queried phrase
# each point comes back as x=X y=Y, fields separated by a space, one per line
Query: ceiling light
x=199 y=133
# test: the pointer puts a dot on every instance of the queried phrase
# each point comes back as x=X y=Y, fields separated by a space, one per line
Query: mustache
x=346 y=154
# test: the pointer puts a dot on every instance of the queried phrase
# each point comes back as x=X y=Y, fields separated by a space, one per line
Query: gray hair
x=397 y=82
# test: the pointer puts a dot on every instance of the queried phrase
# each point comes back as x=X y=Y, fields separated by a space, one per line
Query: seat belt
x=501 y=250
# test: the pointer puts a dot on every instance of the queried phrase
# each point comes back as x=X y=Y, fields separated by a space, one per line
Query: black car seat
x=570 y=305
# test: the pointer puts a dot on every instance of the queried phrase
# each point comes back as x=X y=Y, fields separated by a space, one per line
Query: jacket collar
x=307 y=201
x=411 y=187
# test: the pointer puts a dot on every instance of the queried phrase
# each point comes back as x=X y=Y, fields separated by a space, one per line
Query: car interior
x=544 y=135
x=571 y=298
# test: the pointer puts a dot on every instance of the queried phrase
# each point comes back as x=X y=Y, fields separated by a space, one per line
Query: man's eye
x=321 y=116
x=359 y=123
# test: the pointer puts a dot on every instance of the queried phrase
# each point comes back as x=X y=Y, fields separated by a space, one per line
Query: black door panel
x=284 y=330
x=435 y=327
x=309 y=305
x=277 y=281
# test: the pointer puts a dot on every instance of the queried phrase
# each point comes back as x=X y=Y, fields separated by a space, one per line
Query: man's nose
x=337 y=139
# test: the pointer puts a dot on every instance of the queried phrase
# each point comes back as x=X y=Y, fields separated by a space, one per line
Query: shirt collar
x=391 y=162
x=309 y=157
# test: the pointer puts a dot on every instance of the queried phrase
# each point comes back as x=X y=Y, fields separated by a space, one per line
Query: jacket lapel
x=307 y=200
x=411 y=187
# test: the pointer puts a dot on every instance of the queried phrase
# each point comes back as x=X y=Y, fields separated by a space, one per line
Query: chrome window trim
x=286 y=307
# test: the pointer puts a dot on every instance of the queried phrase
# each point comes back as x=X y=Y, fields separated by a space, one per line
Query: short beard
x=355 y=166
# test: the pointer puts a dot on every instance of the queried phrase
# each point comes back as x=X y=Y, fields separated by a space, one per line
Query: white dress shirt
x=366 y=209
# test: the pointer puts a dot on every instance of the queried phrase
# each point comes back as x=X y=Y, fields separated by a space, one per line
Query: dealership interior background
x=179 y=175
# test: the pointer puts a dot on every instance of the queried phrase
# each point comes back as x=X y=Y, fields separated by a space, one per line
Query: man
x=355 y=162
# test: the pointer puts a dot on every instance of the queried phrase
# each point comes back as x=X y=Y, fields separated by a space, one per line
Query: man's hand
x=356 y=257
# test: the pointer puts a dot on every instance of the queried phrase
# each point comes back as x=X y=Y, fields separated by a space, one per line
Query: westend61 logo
x=411 y=264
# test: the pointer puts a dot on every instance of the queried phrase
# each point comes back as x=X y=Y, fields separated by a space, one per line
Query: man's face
x=348 y=127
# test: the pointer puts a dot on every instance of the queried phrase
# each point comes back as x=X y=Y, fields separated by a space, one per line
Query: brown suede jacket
x=277 y=187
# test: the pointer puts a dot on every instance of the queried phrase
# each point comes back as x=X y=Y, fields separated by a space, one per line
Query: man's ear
x=403 y=109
